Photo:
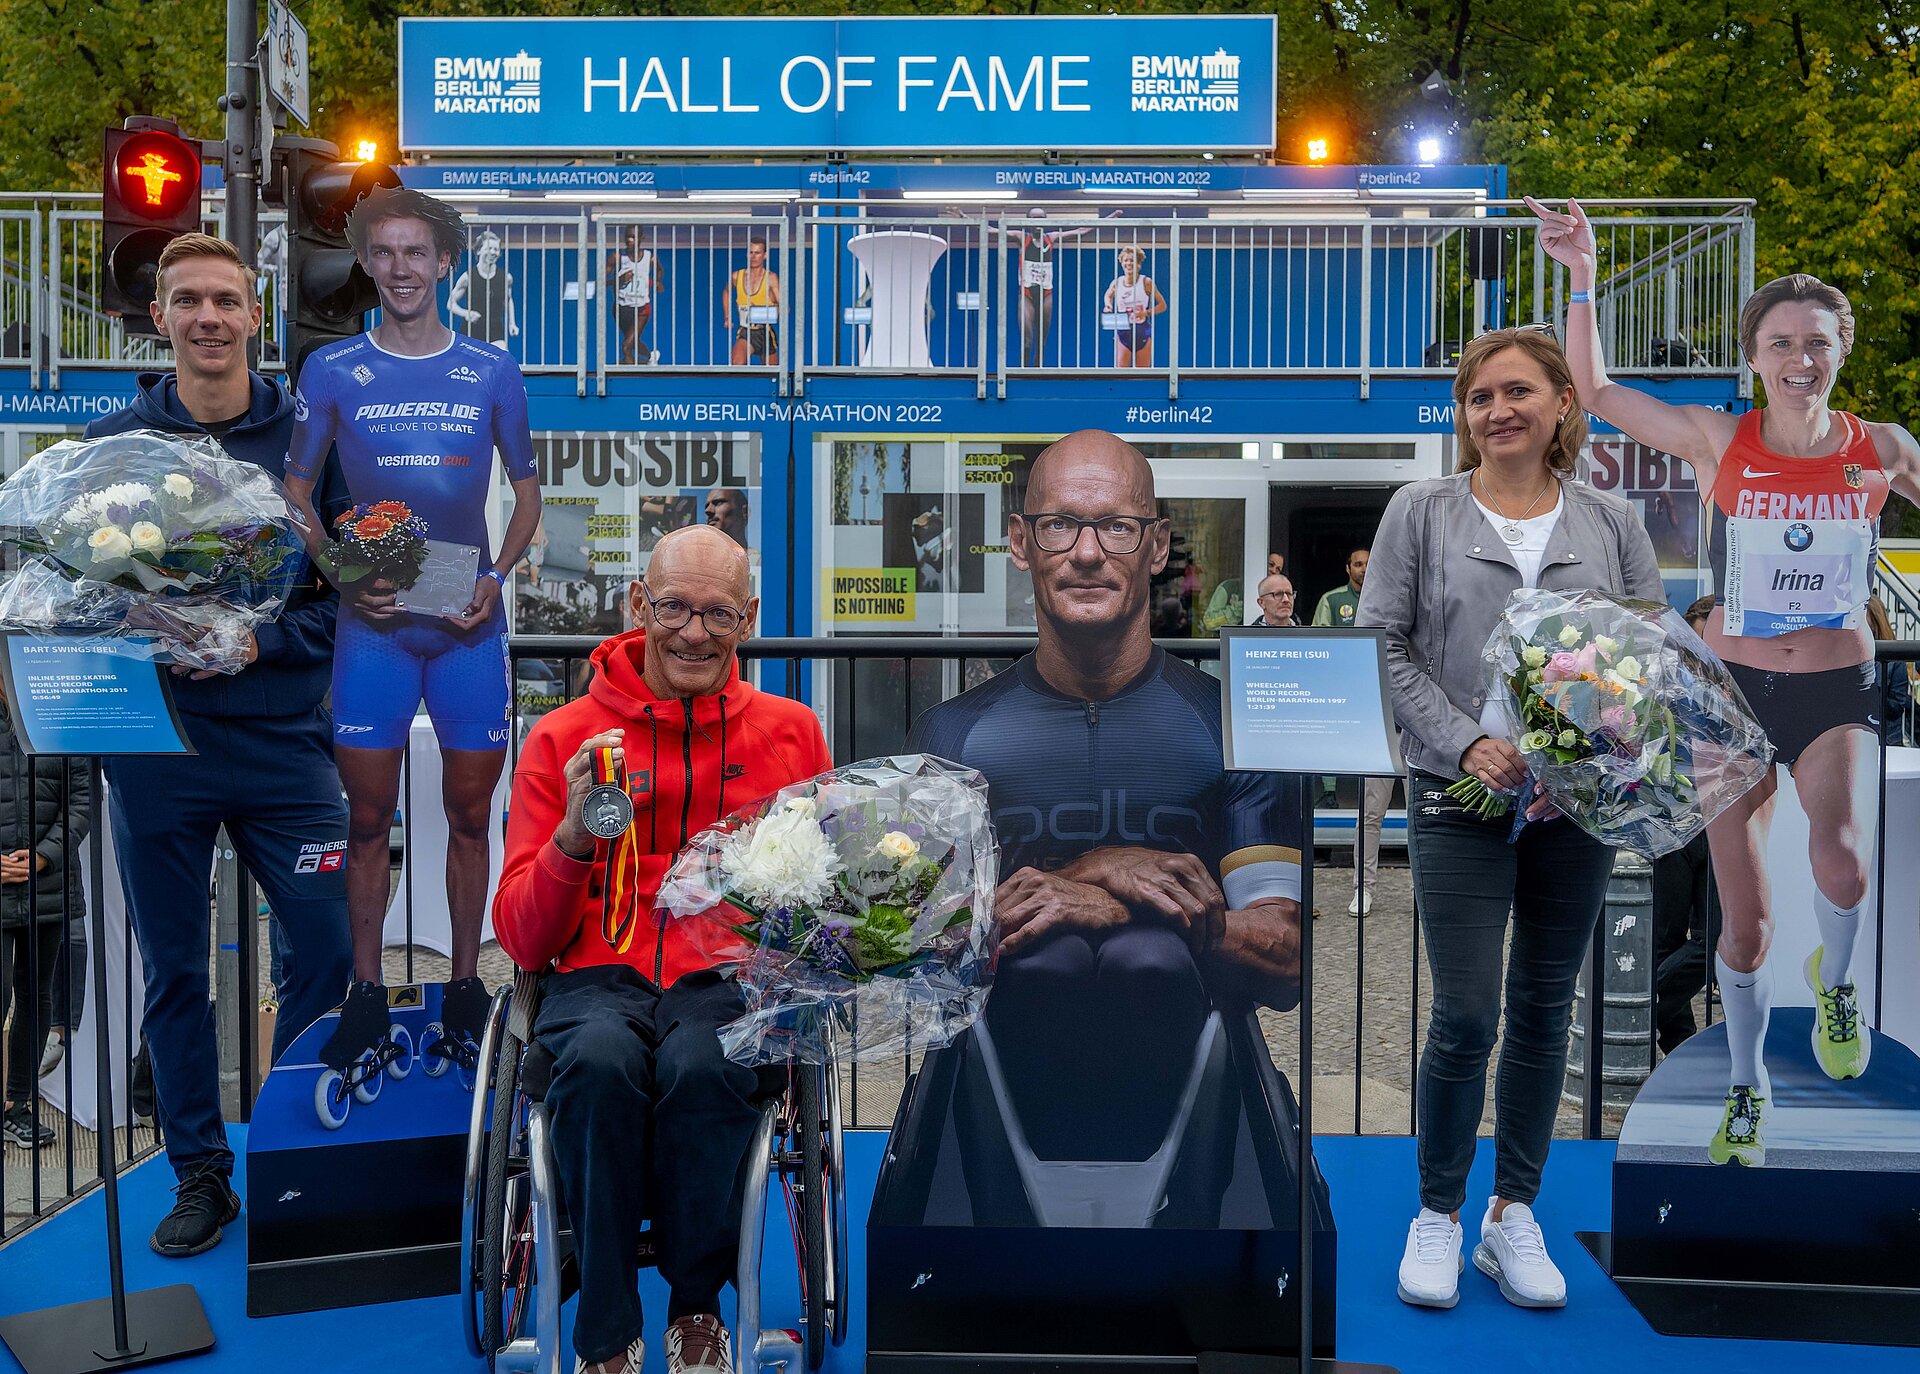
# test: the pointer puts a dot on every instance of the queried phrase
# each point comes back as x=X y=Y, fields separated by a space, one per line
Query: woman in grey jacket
x=1448 y=554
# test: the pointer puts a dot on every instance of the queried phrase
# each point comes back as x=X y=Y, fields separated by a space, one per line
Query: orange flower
x=393 y=510
x=373 y=527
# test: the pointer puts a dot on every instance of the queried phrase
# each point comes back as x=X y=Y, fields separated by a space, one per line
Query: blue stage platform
x=62 y=1262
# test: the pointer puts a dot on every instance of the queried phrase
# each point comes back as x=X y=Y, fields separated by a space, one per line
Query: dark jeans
x=650 y=1120
x=33 y=1010
x=72 y=971
x=1466 y=880
x=1683 y=897
x=272 y=783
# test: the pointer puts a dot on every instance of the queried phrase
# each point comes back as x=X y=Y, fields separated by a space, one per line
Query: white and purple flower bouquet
x=1633 y=727
x=149 y=534
x=863 y=898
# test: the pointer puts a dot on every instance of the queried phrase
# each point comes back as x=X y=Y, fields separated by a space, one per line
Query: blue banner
x=949 y=85
x=79 y=695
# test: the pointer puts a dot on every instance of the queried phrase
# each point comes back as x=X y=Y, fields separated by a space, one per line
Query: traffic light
x=328 y=294
x=150 y=195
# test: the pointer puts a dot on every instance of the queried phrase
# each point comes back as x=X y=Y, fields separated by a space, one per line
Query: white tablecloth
x=899 y=265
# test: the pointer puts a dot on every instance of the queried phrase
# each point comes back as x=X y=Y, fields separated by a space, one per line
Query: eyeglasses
x=1542 y=327
x=1056 y=531
x=1276 y=596
x=671 y=613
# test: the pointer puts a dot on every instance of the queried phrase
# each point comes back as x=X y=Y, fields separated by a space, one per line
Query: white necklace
x=1511 y=531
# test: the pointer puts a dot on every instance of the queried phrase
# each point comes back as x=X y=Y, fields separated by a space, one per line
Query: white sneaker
x=636 y=1356
x=1431 y=1267
x=1513 y=1254
x=1354 y=907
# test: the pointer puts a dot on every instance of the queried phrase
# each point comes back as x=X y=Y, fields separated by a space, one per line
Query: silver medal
x=608 y=812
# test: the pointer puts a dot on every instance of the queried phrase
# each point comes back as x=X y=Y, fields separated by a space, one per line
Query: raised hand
x=1568 y=239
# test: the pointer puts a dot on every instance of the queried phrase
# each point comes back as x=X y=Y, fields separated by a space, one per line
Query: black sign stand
x=122 y=1330
x=1308 y=785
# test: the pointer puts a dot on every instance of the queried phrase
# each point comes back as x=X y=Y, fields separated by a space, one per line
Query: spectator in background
x=1685 y=906
x=1225 y=606
x=1276 y=564
x=37 y=834
x=755 y=287
x=1338 y=606
x=1896 y=683
x=1276 y=598
x=635 y=278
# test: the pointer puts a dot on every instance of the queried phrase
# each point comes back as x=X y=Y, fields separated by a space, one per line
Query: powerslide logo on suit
x=321 y=858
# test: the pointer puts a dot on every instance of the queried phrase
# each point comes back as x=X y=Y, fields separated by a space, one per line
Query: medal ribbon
x=619 y=894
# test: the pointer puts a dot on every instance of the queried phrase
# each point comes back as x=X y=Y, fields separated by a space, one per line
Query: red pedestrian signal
x=150 y=195
x=158 y=174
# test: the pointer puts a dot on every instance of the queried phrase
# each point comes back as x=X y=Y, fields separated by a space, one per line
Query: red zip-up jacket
x=689 y=762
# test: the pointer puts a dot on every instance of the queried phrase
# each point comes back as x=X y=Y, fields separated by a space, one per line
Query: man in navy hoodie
x=264 y=768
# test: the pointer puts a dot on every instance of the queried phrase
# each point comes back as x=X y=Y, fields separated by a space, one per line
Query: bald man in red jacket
x=649 y=1118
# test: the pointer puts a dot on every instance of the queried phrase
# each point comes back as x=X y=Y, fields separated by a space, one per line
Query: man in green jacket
x=1337 y=607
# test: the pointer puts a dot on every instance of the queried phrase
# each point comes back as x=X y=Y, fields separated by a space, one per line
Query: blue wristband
x=497 y=576
x=1580 y=298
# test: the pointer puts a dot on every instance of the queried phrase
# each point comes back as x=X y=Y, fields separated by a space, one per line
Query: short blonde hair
x=198 y=246
x=1563 y=455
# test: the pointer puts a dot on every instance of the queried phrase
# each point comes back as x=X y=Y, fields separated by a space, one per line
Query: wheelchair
x=517 y=1259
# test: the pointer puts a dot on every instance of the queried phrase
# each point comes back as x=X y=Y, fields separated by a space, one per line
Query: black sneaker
x=464 y=1007
x=363 y=1025
x=204 y=1201
x=21 y=1129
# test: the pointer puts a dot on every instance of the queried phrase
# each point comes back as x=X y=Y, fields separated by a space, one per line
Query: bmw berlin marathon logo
x=1186 y=85
x=487 y=85
x=1798 y=537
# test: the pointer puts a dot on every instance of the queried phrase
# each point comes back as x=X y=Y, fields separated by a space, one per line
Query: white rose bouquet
x=149 y=534
x=865 y=894
x=1631 y=724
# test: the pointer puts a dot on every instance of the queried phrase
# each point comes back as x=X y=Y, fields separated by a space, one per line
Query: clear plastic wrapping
x=1631 y=724
x=150 y=534
x=858 y=904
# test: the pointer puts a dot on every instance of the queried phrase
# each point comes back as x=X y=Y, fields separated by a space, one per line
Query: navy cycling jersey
x=421 y=430
x=1142 y=768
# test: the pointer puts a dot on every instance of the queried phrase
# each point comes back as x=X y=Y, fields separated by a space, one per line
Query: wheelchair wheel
x=836 y=1164
x=506 y=1250
x=813 y=1238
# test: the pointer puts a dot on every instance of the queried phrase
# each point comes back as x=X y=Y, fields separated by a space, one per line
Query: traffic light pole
x=242 y=161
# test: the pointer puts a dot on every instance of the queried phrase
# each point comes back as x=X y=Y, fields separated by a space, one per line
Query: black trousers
x=650 y=1121
x=33 y=1012
x=1685 y=901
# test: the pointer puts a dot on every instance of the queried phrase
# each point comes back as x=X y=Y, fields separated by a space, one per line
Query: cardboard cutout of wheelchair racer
x=414 y=413
x=1142 y=885
x=1794 y=491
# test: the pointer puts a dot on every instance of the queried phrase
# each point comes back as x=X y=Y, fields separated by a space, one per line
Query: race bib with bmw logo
x=1787 y=575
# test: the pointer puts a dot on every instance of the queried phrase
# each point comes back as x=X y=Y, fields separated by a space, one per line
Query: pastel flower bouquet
x=857 y=905
x=149 y=534
x=1632 y=726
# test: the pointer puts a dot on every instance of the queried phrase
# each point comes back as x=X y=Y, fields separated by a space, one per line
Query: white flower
x=1568 y=739
x=124 y=494
x=1533 y=656
x=146 y=535
x=803 y=805
x=1569 y=637
x=897 y=844
x=179 y=486
x=782 y=859
x=1608 y=647
x=1534 y=741
x=109 y=542
x=1629 y=667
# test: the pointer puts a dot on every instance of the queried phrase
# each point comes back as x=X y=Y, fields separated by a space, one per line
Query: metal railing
x=1362 y=289
x=681 y=294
